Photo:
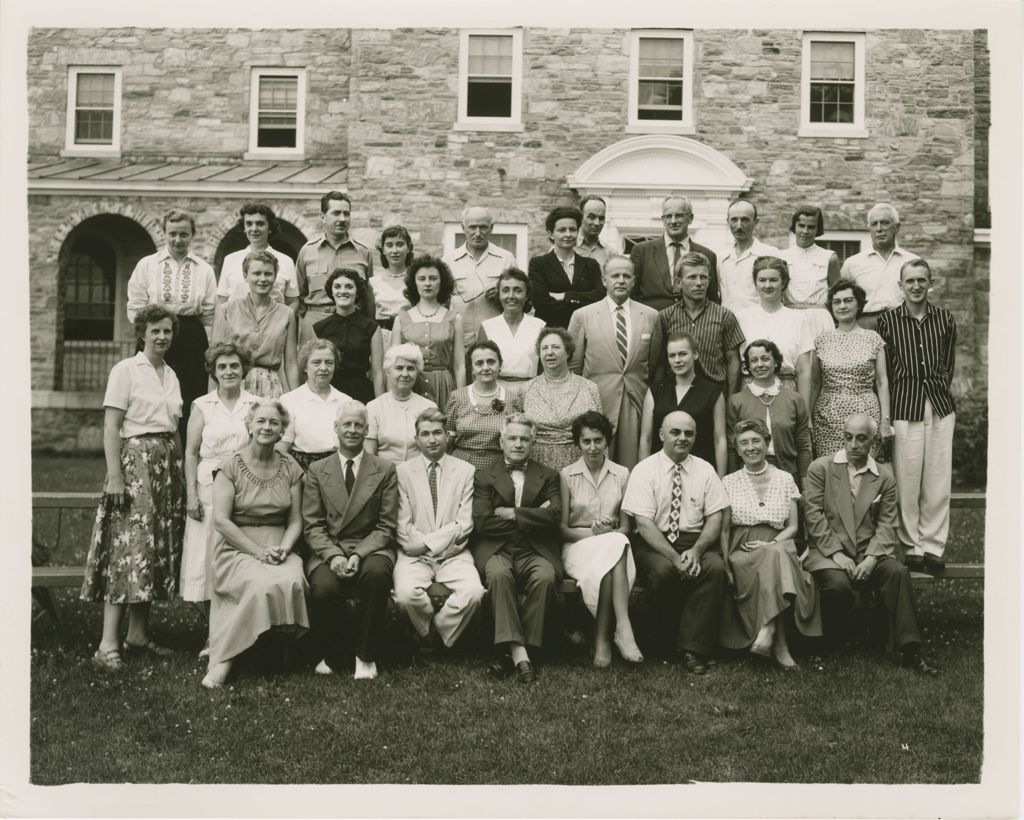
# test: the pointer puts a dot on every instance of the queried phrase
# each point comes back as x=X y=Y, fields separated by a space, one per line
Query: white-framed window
x=843 y=243
x=490 y=80
x=277 y=112
x=94 y=111
x=511 y=236
x=660 y=82
x=832 y=85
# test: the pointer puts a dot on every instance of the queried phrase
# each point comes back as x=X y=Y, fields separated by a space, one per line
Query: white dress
x=589 y=559
x=519 y=357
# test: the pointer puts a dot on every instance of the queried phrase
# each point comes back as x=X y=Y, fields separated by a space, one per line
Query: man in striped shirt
x=920 y=345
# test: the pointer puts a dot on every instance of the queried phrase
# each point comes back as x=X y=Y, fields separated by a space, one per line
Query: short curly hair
x=447 y=287
x=768 y=345
x=151 y=314
x=595 y=421
x=354 y=276
x=316 y=344
x=751 y=426
x=561 y=333
x=281 y=411
x=249 y=208
x=847 y=284
x=215 y=351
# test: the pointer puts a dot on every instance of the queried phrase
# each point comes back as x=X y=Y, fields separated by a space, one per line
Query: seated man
x=850 y=521
x=435 y=518
x=516 y=511
x=677 y=501
x=349 y=512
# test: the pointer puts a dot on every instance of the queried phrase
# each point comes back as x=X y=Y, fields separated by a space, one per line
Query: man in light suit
x=658 y=262
x=517 y=508
x=435 y=518
x=613 y=339
x=851 y=529
x=561 y=280
x=349 y=512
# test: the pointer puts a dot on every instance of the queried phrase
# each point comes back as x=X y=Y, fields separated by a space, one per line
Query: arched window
x=90 y=290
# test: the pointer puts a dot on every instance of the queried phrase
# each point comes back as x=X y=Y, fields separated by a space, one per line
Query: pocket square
x=644 y=337
x=877 y=499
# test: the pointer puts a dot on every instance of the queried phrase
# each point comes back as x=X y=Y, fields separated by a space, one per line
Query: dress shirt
x=684 y=248
x=714 y=329
x=318 y=259
x=920 y=355
x=187 y=288
x=568 y=265
x=356 y=461
x=311 y=422
x=150 y=404
x=879 y=276
x=473 y=277
x=232 y=278
x=598 y=252
x=649 y=492
x=736 y=274
x=517 y=472
x=808 y=273
x=855 y=475
x=786 y=327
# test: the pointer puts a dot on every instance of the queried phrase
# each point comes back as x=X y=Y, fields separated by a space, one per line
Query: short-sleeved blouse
x=224 y=430
x=477 y=428
x=262 y=500
x=808 y=272
x=392 y=423
x=388 y=295
x=786 y=327
x=748 y=508
x=151 y=403
x=263 y=336
x=589 y=502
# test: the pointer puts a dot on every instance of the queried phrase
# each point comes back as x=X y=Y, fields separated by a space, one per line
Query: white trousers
x=458 y=573
x=923 y=466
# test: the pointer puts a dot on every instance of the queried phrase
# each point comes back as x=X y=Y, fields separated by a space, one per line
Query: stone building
x=415 y=123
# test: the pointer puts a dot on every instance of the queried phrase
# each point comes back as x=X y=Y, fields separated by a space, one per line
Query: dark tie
x=677 y=267
x=620 y=333
x=432 y=480
x=350 y=476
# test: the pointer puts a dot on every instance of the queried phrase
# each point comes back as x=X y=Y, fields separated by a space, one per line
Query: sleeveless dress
x=553 y=409
x=436 y=341
x=353 y=336
x=250 y=597
x=699 y=402
x=769 y=578
x=847 y=384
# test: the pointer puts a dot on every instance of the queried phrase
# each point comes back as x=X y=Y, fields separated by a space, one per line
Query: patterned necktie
x=432 y=480
x=620 y=333
x=677 y=267
x=350 y=476
x=676 y=507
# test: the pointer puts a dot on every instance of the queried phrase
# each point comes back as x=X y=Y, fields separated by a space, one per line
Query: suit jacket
x=835 y=521
x=534 y=525
x=336 y=523
x=654 y=279
x=547 y=276
x=597 y=354
x=445 y=533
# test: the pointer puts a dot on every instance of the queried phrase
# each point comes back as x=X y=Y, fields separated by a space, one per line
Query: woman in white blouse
x=391 y=417
x=812 y=269
x=388 y=284
x=514 y=331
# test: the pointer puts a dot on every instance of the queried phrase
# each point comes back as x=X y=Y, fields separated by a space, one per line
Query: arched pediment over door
x=634 y=175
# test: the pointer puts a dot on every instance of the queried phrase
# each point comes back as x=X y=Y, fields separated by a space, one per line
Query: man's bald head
x=678 y=432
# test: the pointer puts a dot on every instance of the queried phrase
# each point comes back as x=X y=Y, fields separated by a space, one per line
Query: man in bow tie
x=516 y=511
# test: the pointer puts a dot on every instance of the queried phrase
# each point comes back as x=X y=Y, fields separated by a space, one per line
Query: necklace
x=480 y=395
x=770 y=399
x=562 y=380
x=762 y=471
x=428 y=315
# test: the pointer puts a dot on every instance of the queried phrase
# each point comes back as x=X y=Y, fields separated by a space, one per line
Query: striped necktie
x=677 y=267
x=432 y=480
x=621 y=339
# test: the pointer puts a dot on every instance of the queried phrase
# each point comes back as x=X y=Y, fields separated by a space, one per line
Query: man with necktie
x=349 y=512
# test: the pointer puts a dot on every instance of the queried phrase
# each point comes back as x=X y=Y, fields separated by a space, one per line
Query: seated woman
x=216 y=429
x=388 y=284
x=434 y=328
x=513 y=330
x=782 y=410
x=391 y=417
x=693 y=393
x=476 y=413
x=261 y=326
x=312 y=408
x=258 y=583
x=760 y=555
x=356 y=337
x=596 y=552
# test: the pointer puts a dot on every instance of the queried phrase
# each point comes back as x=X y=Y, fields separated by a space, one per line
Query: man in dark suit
x=658 y=262
x=851 y=528
x=349 y=512
x=516 y=512
x=562 y=280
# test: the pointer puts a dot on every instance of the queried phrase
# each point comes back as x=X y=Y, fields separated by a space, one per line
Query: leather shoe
x=914 y=563
x=525 y=672
x=934 y=564
x=694 y=664
x=916 y=663
x=501 y=668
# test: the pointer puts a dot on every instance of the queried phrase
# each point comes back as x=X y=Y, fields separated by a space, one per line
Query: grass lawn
x=850 y=718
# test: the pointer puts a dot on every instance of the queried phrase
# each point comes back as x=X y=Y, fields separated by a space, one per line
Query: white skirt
x=589 y=560
x=197 y=550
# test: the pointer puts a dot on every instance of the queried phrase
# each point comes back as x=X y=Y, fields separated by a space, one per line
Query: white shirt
x=787 y=327
x=188 y=288
x=736 y=275
x=311 y=423
x=519 y=357
x=475 y=276
x=879 y=276
x=855 y=475
x=808 y=272
x=684 y=248
x=613 y=313
x=151 y=404
x=232 y=279
x=517 y=472
x=356 y=461
x=649 y=492
x=392 y=424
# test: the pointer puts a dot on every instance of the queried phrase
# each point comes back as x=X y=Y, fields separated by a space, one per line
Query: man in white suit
x=435 y=518
x=613 y=341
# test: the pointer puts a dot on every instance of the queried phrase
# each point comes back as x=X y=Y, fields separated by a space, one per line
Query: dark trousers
x=687 y=611
x=521 y=567
x=329 y=622
x=890 y=581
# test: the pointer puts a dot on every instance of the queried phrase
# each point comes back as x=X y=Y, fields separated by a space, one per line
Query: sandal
x=149 y=647
x=109 y=659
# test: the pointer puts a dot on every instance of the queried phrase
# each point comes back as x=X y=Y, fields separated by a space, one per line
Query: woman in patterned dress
x=216 y=429
x=555 y=398
x=850 y=370
x=262 y=327
x=135 y=548
x=395 y=249
x=513 y=331
x=760 y=555
x=391 y=417
x=476 y=413
x=258 y=583
x=596 y=550
x=435 y=329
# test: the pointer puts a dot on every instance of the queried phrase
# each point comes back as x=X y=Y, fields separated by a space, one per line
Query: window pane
x=661 y=57
x=275 y=138
x=490 y=55
x=95 y=91
x=843 y=248
x=831 y=102
x=832 y=61
x=96 y=127
x=502 y=240
x=279 y=93
x=89 y=292
x=489 y=98
x=660 y=93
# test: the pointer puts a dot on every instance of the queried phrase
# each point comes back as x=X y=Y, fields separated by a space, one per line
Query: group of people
x=705 y=423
